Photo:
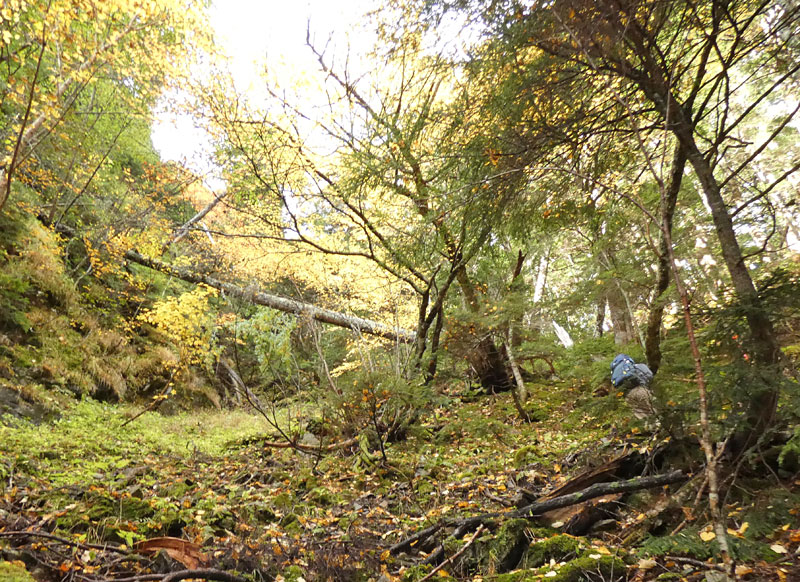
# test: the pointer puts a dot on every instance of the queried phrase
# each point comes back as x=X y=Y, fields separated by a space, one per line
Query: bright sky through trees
x=255 y=33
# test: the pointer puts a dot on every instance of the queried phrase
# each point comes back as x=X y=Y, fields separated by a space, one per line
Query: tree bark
x=599 y=317
x=763 y=404
x=620 y=316
x=652 y=347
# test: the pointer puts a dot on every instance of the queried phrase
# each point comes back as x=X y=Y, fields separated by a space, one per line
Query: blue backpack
x=625 y=371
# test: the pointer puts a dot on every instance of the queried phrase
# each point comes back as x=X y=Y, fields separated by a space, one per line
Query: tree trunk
x=487 y=361
x=519 y=393
x=280 y=303
x=437 y=334
x=600 y=317
x=763 y=404
x=652 y=346
x=620 y=316
x=268 y=300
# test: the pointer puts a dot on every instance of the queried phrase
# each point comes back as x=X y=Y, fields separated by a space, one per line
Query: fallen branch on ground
x=454 y=556
x=204 y=574
x=539 y=507
x=696 y=563
x=66 y=541
x=311 y=448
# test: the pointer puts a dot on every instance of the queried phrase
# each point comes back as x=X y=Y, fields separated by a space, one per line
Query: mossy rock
x=559 y=548
x=14 y=572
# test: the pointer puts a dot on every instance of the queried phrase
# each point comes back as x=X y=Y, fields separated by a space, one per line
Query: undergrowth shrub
x=379 y=403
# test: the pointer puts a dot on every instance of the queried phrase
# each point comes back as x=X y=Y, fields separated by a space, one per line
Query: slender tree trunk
x=706 y=439
x=652 y=346
x=519 y=393
x=184 y=229
x=763 y=404
x=437 y=334
x=620 y=316
x=600 y=317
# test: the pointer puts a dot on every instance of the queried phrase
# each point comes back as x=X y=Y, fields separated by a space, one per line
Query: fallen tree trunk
x=276 y=302
x=464 y=525
x=285 y=304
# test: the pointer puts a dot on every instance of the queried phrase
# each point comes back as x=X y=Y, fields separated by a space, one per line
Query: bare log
x=276 y=302
x=598 y=490
x=285 y=304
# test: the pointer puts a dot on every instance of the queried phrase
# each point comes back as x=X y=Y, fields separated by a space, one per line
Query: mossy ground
x=206 y=476
x=14 y=572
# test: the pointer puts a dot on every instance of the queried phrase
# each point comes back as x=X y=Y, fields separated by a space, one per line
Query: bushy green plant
x=269 y=334
x=379 y=403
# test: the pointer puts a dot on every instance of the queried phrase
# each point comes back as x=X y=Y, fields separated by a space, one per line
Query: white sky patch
x=267 y=34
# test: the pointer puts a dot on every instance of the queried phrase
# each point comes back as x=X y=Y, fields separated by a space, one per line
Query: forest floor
x=94 y=496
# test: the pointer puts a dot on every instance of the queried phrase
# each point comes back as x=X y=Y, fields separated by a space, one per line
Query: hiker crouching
x=634 y=379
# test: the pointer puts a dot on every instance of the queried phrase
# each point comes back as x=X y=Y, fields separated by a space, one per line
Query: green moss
x=527 y=455
x=283 y=500
x=517 y=576
x=559 y=548
x=586 y=568
x=419 y=572
x=500 y=551
x=322 y=496
x=14 y=572
x=293 y=573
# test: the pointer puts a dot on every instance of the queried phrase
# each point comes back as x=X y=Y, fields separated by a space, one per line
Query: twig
x=65 y=541
x=139 y=578
x=454 y=556
x=698 y=563
x=206 y=574
x=156 y=401
x=310 y=448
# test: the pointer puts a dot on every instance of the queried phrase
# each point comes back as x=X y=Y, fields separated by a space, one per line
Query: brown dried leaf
x=185 y=552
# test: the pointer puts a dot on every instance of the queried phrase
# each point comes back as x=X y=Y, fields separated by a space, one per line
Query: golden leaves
x=188 y=323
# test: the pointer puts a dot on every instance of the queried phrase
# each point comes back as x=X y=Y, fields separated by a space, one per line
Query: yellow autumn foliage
x=188 y=322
